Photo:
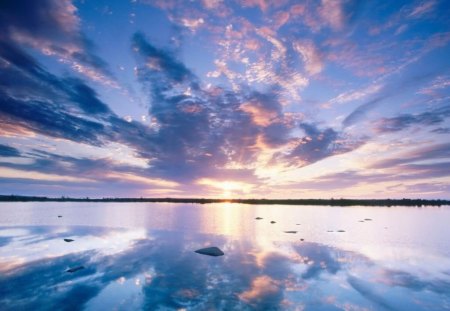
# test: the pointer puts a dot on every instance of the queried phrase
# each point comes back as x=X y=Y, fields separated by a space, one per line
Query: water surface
x=141 y=256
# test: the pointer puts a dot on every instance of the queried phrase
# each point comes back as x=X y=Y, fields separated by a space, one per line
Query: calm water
x=141 y=256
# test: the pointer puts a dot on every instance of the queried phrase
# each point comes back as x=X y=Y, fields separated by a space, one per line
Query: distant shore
x=330 y=202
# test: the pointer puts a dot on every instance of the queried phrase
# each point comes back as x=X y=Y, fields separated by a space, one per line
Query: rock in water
x=273 y=222
x=210 y=251
x=75 y=269
x=258 y=218
x=290 y=231
x=68 y=240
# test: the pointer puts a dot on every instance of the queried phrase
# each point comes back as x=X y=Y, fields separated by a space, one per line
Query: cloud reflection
x=170 y=275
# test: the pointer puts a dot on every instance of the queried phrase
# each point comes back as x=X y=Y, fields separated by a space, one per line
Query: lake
x=140 y=256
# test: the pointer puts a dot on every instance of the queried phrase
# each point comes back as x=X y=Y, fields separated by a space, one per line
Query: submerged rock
x=59 y=216
x=68 y=240
x=367 y=219
x=290 y=231
x=302 y=240
x=330 y=231
x=210 y=251
x=75 y=269
x=273 y=222
x=258 y=218
x=341 y=231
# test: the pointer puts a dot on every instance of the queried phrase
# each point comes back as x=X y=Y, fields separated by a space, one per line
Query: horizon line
x=310 y=201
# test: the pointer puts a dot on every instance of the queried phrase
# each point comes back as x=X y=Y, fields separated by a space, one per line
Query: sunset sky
x=212 y=98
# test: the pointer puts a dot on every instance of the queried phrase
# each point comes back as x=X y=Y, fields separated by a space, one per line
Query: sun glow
x=228 y=188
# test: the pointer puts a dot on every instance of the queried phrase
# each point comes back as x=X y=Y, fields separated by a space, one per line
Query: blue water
x=141 y=257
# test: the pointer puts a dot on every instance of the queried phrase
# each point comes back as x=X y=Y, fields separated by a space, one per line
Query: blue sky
x=244 y=98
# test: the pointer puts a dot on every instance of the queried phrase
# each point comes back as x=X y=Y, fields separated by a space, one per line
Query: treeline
x=330 y=202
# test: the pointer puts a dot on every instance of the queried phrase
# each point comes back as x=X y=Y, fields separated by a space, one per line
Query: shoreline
x=329 y=202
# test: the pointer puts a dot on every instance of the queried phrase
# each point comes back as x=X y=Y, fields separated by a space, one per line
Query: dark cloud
x=318 y=144
x=442 y=130
x=86 y=97
x=7 y=151
x=40 y=117
x=200 y=131
x=161 y=60
x=405 y=121
x=50 y=25
x=361 y=111
x=43 y=19
x=389 y=91
x=196 y=130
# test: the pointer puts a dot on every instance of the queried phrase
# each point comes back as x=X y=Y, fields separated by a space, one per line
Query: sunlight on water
x=141 y=256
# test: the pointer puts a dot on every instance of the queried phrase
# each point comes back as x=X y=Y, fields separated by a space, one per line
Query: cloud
x=372 y=294
x=386 y=92
x=419 y=154
x=200 y=132
x=53 y=28
x=264 y=293
x=157 y=60
x=442 y=130
x=38 y=116
x=404 y=121
x=318 y=144
x=311 y=56
x=422 y=9
x=7 y=151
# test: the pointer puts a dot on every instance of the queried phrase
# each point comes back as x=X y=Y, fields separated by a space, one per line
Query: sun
x=228 y=188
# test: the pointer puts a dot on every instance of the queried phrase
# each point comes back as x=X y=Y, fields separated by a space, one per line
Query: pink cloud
x=280 y=19
x=422 y=9
x=331 y=12
x=311 y=55
x=262 y=286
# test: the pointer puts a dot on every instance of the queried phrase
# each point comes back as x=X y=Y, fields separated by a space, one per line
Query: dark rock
x=59 y=216
x=68 y=240
x=330 y=231
x=210 y=251
x=302 y=240
x=258 y=218
x=75 y=269
x=290 y=231
x=273 y=222
x=297 y=224
x=341 y=231
x=367 y=219
x=361 y=221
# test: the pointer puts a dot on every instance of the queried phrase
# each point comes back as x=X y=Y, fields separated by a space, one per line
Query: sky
x=215 y=98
